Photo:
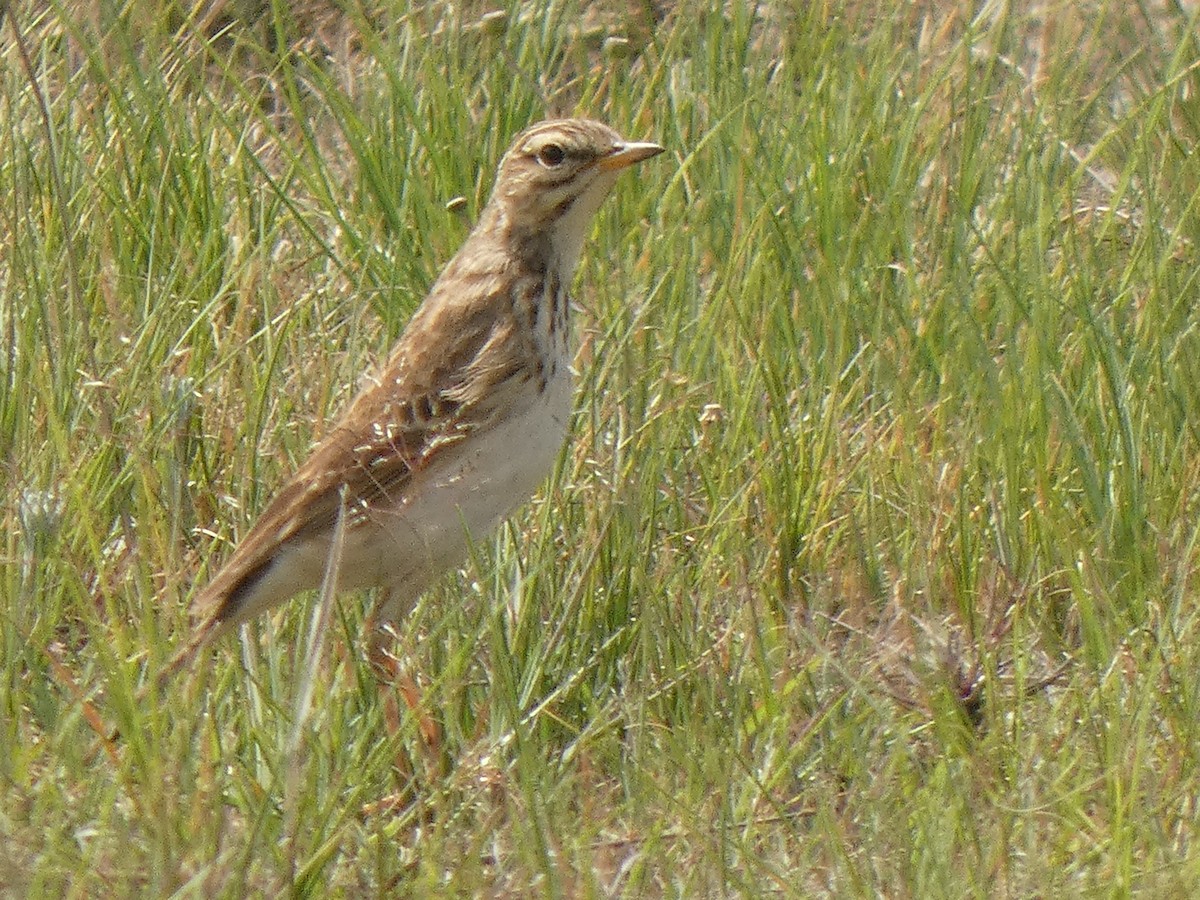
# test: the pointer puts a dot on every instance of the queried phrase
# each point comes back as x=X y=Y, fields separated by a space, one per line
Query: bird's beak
x=627 y=154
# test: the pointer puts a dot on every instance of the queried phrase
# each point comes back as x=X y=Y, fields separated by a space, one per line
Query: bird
x=459 y=427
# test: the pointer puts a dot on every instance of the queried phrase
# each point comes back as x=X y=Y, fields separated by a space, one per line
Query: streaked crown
x=557 y=173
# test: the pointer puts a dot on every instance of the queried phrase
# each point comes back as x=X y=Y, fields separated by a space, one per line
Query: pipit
x=462 y=424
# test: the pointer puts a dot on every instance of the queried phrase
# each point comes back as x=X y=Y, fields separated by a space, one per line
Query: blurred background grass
x=869 y=570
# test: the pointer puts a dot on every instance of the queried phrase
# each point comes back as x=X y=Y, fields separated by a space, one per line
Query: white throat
x=568 y=234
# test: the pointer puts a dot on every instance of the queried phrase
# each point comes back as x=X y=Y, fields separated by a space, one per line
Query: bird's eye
x=551 y=155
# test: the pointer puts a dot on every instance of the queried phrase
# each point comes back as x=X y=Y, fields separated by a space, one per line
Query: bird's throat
x=569 y=231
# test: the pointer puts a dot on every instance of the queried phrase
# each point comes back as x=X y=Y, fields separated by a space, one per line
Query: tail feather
x=238 y=593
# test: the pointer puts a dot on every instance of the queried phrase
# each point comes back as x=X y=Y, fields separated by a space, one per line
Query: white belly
x=455 y=501
x=495 y=472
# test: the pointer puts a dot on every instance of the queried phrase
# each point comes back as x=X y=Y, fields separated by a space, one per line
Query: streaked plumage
x=466 y=418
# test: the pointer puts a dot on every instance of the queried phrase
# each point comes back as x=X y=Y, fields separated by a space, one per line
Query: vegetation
x=870 y=569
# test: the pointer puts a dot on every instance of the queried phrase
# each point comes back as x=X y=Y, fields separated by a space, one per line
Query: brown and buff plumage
x=465 y=419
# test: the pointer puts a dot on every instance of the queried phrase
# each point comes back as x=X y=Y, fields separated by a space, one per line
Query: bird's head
x=555 y=176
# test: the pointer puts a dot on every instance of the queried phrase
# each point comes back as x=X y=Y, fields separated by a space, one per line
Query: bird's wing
x=452 y=373
x=369 y=458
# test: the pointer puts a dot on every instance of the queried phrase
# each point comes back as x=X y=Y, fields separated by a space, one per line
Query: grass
x=869 y=570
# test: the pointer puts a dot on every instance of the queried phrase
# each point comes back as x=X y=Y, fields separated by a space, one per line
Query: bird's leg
x=393 y=680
